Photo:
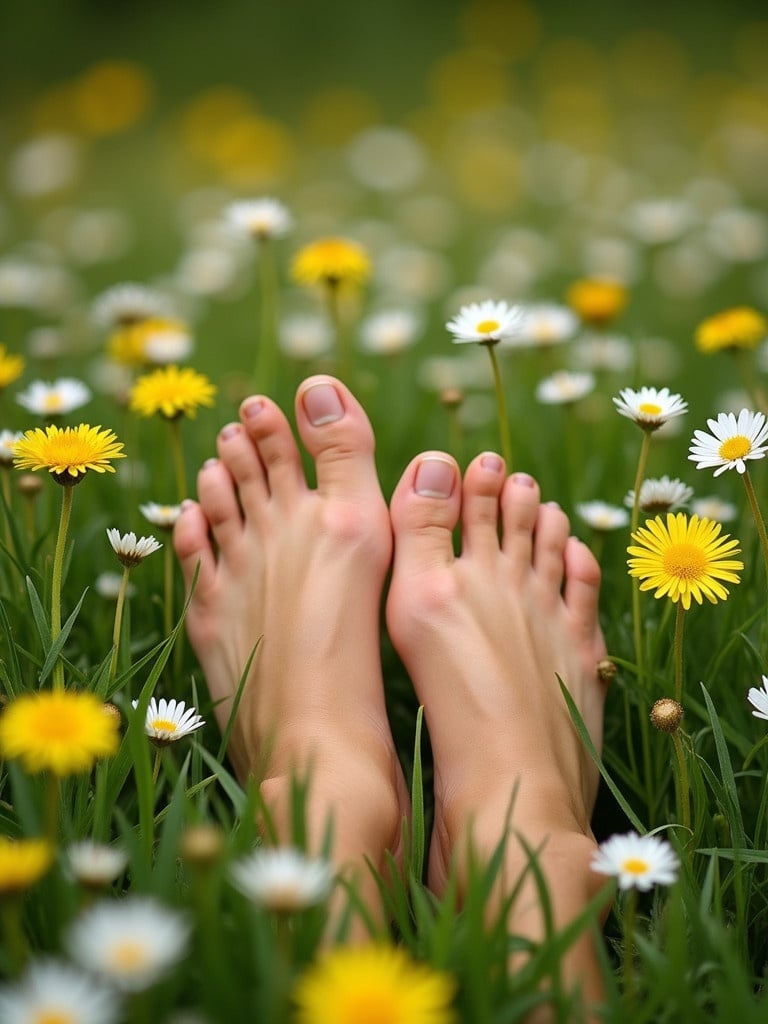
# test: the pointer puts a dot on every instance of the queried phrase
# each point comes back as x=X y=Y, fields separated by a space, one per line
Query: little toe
x=519 y=509
x=483 y=481
x=219 y=503
x=192 y=545
x=424 y=511
x=279 y=456
x=549 y=540
x=338 y=435
x=582 y=589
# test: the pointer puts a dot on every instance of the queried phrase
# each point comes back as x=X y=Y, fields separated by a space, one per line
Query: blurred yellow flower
x=22 y=863
x=332 y=262
x=597 y=301
x=11 y=367
x=58 y=731
x=684 y=558
x=373 y=983
x=68 y=452
x=739 y=328
x=111 y=96
x=172 y=392
x=134 y=344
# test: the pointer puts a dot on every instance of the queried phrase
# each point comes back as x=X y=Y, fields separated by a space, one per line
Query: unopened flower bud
x=666 y=714
x=606 y=670
x=201 y=845
x=29 y=484
x=451 y=398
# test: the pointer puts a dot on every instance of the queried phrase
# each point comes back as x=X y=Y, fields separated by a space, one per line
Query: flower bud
x=666 y=714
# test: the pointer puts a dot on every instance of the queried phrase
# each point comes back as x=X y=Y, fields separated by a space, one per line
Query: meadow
x=610 y=188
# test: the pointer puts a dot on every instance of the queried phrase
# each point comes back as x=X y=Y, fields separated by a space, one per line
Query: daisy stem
x=757 y=516
x=117 y=628
x=684 y=805
x=637 y=622
x=265 y=367
x=6 y=482
x=501 y=406
x=14 y=940
x=58 y=567
x=630 y=908
x=753 y=389
x=52 y=808
x=178 y=459
x=156 y=766
x=344 y=349
x=456 y=435
x=678 y=651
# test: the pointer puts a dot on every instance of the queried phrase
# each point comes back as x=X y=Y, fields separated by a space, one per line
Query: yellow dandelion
x=22 y=863
x=11 y=367
x=68 y=452
x=740 y=328
x=597 y=301
x=135 y=344
x=684 y=558
x=377 y=984
x=58 y=731
x=172 y=392
x=331 y=262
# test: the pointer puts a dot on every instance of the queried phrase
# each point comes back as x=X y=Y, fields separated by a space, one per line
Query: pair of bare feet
x=483 y=635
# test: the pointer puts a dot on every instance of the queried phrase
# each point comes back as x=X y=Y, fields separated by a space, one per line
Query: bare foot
x=484 y=636
x=302 y=569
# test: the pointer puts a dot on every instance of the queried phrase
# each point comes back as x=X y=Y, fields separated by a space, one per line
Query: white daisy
x=712 y=507
x=57 y=992
x=95 y=865
x=129 y=549
x=169 y=720
x=542 y=325
x=390 y=331
x=132 y=942
x=650 y=407
x=304 y=336
x=108 y=586
x=8 y=439
x=759 y=700
x=128 y=304
x=638 y=862
x=282 y=879
x=660 y=495
x=170 y=342
x=485 y=322
x=564 y=387
x=607 y=353
x=602 y=516
x=733 y=440
x=164 y=516
x=55 y=399
x=260 y=218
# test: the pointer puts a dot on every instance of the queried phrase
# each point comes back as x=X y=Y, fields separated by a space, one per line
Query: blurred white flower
x=386 y=159
x=304 y=336
x=169 y=720
x=130 y=549
x=260 y=218
x=46 y=343
x=739 y=235
x=169 y=342
x=128 y=303
x=659 y=220
x=661 y=495
x=638 y=862
x=8 y=439
x=609 y=353
x=133 y=942
x=54 y=992
x=543 y=324
x=412 y=272
x=164 y=516
x=95 y=865
x=108 y=586
x=390 y=331
x=714 y=508
x=602 y=516
x=282 y=879
x=564 y=387
x=58 y=398
x=96 y=236
x=733 y=441
x=43 y=165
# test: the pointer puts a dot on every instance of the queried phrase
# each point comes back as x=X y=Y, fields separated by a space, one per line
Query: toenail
x=209 y=463
x=524 y=479
x=322 y=404
x=228 y=432
x=492 y=462
x=187 y=504
x=252 y=407
x=552 y=504
x=434 y=478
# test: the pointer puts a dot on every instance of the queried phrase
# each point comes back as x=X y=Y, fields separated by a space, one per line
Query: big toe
x=424 y=511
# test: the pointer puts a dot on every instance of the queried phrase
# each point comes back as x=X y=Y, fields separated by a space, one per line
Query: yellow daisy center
x=52 y=402
x=66 y=726
x=164 y=725
x=487 y=326
x=373 y=1007
x=685 y=561
x=735 y=448
x=649 y=408
x=54 y=1017
x=128 y=955
x=635 y=866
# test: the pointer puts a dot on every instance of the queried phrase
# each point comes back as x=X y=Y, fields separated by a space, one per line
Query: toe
x=582 y=588
x=271 y=433
x=424 y=510
x=338 y=435
x=519 y=509
x=549 y=540
x=241 y=459
x=483 y=481
x=193 y=548
x=218 y=500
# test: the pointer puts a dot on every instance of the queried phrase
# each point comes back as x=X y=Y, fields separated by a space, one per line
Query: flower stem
x=265 y=366
x=14 y=941
x=52 y=793
x=5 y=478
x=117 y=628
x=636 y=619
x=757 y=516
x=168 y=589
x=178 y=459
x=684 y=808
x=630 y=908
x=749 y=382
x=344 y=350
x=501 y=406
x=678 y=651
x=58 y=567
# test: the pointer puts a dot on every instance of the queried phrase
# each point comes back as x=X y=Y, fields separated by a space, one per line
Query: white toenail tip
x=330 y=418
x=431 y=494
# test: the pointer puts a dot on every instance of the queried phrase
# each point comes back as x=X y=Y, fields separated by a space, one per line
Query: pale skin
x=483 y=636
